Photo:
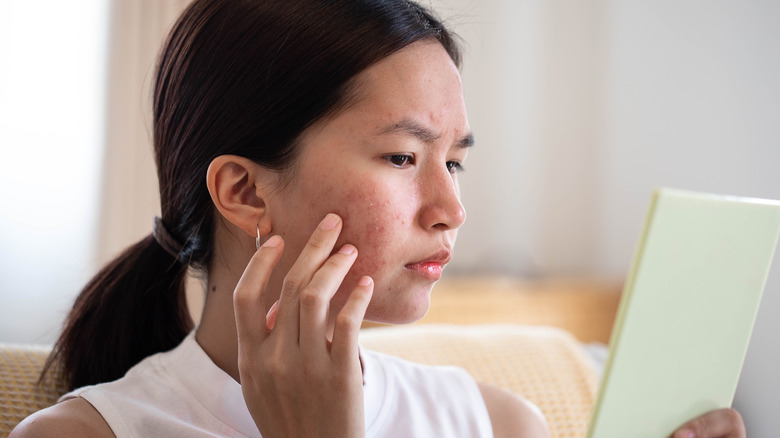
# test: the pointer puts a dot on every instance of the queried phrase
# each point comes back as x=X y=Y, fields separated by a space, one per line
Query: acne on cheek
x=368 y=224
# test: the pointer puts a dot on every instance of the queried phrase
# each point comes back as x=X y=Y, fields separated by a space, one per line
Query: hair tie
x=165 y=239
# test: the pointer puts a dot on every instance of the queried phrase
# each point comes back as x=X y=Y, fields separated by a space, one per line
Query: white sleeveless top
x=182 y=393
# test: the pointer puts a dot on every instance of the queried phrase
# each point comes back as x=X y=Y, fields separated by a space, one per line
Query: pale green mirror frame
x=687 y=312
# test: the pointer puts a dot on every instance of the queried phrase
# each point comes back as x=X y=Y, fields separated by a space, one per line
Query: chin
x=399 y=308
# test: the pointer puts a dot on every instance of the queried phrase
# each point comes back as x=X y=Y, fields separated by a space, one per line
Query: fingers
x=347 y=327
x=314 y=254
x=300 y=316
x=247 y=297
x=721 y=423
x=315 y=299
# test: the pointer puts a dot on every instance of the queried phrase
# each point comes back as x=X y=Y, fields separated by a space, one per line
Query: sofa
x=548 y=365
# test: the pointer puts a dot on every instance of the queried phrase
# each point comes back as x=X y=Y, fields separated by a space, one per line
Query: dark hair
x=242 y=77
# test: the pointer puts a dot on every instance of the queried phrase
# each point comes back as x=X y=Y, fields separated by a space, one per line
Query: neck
x=216 y=332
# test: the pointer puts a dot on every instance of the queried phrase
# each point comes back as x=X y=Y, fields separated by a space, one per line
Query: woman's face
x=388 y=166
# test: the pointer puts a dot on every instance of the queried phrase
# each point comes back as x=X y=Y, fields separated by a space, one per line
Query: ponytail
x=134 y=307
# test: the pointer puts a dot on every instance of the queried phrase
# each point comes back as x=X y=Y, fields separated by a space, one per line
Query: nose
x=441 y=207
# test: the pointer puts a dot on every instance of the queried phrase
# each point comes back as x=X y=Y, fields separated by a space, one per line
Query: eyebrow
x=420 y=132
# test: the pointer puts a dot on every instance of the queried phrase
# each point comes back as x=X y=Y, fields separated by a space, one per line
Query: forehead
x=419 y=83
x=419 y=78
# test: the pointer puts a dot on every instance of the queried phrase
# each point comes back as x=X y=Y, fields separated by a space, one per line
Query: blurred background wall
x=579 y=110
x=52 y=114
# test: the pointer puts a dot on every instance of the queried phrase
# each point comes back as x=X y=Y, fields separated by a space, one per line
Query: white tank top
x=182 y=393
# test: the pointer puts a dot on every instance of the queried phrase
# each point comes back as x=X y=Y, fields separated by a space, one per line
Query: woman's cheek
x=376 y=223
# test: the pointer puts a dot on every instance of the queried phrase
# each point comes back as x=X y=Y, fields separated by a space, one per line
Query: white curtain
x=130 y=199
x=52 y=77
x=580 y=109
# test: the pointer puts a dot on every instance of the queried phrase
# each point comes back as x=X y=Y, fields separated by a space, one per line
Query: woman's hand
x=722 y=423
x=295 y=382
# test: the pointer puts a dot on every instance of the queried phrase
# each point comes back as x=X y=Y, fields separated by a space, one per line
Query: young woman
x=307 y=154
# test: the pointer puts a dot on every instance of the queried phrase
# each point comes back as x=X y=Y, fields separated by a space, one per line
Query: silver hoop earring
x=257 y=239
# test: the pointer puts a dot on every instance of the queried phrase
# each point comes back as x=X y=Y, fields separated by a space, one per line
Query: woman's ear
x=238 y=187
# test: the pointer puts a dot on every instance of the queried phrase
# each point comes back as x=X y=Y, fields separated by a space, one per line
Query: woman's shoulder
x=512 y=415
x=71 y=418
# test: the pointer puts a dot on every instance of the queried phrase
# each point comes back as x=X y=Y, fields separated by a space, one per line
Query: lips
x=431 y=267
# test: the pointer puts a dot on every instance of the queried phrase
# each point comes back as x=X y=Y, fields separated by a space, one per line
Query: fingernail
x=347 y=249
x=270 y=317
x=684 y=433
x=365 y=281
x=330 y=222
x=272 y=242
x=271 y=310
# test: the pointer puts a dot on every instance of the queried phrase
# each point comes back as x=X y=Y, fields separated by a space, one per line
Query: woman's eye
x=400 y=160
x=454 y=166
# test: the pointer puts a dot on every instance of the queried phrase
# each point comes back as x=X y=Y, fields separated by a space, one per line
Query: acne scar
x=366 y=223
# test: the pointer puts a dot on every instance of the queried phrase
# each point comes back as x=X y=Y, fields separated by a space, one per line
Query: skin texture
x=386 y=166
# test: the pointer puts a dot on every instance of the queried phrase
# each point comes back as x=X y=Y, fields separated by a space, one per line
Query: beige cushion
x=20 y=394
